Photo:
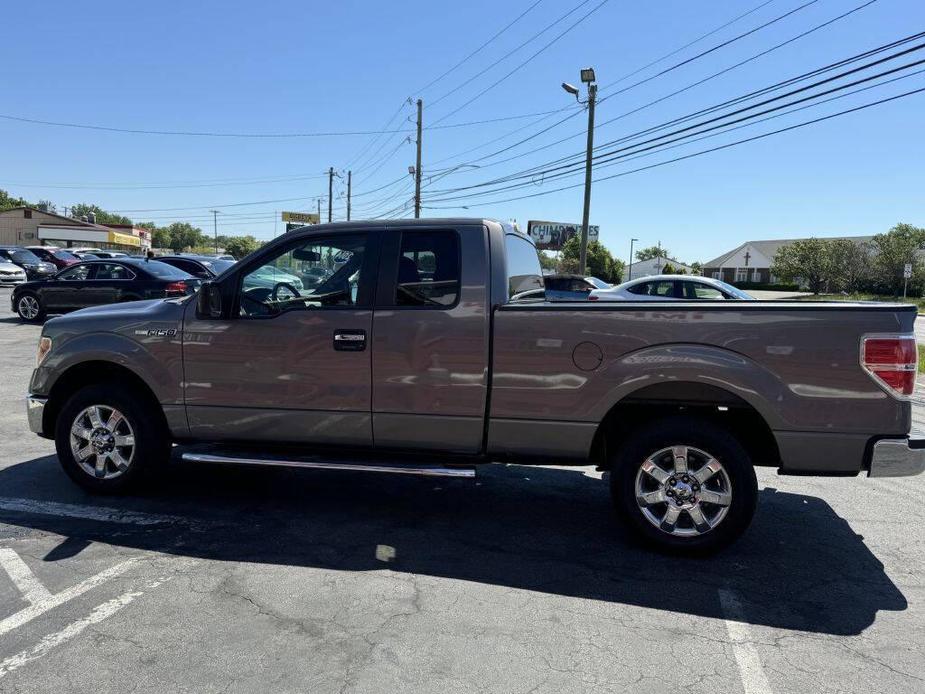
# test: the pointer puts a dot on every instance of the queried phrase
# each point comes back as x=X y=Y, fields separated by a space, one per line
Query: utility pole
x=319 y=210
x=215 y=228
x=417 y=167
x=349 y=182
x=330 y=192
x=592 y=99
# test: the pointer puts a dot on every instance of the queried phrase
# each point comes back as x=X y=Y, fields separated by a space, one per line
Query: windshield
x=64 y=255
x=23 y=256
x=217 y=265
x=163 y=271
x=735 y=291
x=600 y=284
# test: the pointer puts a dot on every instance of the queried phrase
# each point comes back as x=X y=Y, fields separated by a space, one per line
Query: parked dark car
x=58 y=257
x=201 y=266
x=97 y=282
x=35 y=267
x=110 y=254
x=86 y=255
x=571 y=287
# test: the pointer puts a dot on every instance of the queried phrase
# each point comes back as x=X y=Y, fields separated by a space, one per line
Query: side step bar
x=397 y=469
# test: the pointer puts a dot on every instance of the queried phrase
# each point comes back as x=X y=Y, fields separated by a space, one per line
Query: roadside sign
x=551 y=236
x=302 y=217
x=907 y=271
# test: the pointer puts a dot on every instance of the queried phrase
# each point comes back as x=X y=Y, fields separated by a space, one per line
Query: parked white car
x=671 y=288
x=11 y=273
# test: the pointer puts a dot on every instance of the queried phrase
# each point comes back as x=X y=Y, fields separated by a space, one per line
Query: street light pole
x=330 y=192
x=587 y=76
x=629 y=268
x=349 y=182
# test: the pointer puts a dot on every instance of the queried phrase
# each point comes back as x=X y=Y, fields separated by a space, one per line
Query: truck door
x=430 y=339
x=289 y=364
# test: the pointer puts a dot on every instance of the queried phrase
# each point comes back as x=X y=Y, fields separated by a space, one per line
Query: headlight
x=44 y=349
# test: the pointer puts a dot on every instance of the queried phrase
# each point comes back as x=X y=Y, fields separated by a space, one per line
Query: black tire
x=21 y=309
x=696 y=433
x=152 y=442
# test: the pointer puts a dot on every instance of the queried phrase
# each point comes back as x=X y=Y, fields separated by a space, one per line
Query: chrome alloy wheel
x=28 y=307
x=102 y=441
x=683 y=491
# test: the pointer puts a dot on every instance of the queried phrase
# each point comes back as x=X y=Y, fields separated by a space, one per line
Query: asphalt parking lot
x=227 y=580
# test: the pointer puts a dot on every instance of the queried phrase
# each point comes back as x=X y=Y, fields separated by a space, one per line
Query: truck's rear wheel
x=684 y=485
x=109 y=440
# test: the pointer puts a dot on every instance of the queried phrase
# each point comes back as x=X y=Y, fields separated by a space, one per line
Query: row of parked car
x=48 y=279
x=653 y=288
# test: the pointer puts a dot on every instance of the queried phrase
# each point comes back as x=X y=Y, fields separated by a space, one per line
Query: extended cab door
x=430 y=339
x=286 y=363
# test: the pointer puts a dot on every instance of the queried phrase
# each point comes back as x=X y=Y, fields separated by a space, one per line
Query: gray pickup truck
x=427 y=347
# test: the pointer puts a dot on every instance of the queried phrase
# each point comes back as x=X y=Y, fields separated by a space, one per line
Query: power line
x=480 y=48
x=710 y=150
x=676 y=92
x=540 y=170
x=536 y=54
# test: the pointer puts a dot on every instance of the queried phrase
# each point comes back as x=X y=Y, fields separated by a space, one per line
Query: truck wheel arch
x=94 y=372
x=700 y=400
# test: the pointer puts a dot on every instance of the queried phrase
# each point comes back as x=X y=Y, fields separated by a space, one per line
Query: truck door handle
x=350 y=340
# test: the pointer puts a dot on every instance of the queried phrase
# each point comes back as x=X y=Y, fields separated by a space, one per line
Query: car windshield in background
x=21 y=256
x=163 y=271
x=735 y=291
x=598 y=283
x=65 y=255
x=216 y=265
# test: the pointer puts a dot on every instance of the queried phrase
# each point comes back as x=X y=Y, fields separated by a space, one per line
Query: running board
x=423 y=470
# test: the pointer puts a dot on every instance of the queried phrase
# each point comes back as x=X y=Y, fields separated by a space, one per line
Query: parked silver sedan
x=11 y=273
x=671 y=288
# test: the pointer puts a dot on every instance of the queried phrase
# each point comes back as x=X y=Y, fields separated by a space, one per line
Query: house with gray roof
x=753 y=260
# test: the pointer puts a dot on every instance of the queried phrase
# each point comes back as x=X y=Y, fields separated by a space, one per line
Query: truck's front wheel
x=684 y=485
x=108 y=440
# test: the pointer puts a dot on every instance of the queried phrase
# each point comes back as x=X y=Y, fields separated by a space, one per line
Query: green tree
x=669 y=269
x=807 y=261
x=652 y=252
x=8 y=202
x=102 y=216
x=696 y=268
x=547 y=262
x=184 y=235
x=893 y=250
x=240 y=246
x=849 y=265
x=600 y=261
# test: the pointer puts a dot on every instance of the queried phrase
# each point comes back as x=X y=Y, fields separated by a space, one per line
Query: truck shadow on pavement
x=551 y=530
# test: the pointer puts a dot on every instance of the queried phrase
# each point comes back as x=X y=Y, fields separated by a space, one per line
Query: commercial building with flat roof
x=29 y=226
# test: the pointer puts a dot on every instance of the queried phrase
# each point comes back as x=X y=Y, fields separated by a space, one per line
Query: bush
x=770 y=287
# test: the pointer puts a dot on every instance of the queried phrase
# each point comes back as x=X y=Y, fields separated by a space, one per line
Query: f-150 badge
x=155 y=332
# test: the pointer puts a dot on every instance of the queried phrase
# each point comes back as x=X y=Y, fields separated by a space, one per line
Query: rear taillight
x=592 y=298
x=891 y=360
x=175 y=288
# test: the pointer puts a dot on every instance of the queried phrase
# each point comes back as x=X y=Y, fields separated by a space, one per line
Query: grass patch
x=922 y=359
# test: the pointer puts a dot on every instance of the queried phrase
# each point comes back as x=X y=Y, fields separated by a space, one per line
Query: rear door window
x=112 y=271
x=78 y=272
x=524 y=274
x=428 y=269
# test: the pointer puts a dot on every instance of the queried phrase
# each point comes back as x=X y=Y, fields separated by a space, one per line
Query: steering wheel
x=288 y=287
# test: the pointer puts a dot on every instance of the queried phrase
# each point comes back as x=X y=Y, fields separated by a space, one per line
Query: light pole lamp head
x=571 y=89
x=411 y=170
x=587 y=75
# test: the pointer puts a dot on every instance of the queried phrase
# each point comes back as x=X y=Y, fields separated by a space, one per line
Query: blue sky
x=303 y=67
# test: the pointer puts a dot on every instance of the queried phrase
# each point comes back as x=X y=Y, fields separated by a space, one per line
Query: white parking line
x=42 y=606
x=99 y=513
x=31 y=588
x=754 y=681
x=99 y=613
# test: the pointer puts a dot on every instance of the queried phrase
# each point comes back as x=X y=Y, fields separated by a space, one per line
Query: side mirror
x=209 y=301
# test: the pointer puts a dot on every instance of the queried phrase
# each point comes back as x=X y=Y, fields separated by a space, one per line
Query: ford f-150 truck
x=428 y=348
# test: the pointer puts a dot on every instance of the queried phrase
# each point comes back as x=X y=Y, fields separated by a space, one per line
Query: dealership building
x=28 y=226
